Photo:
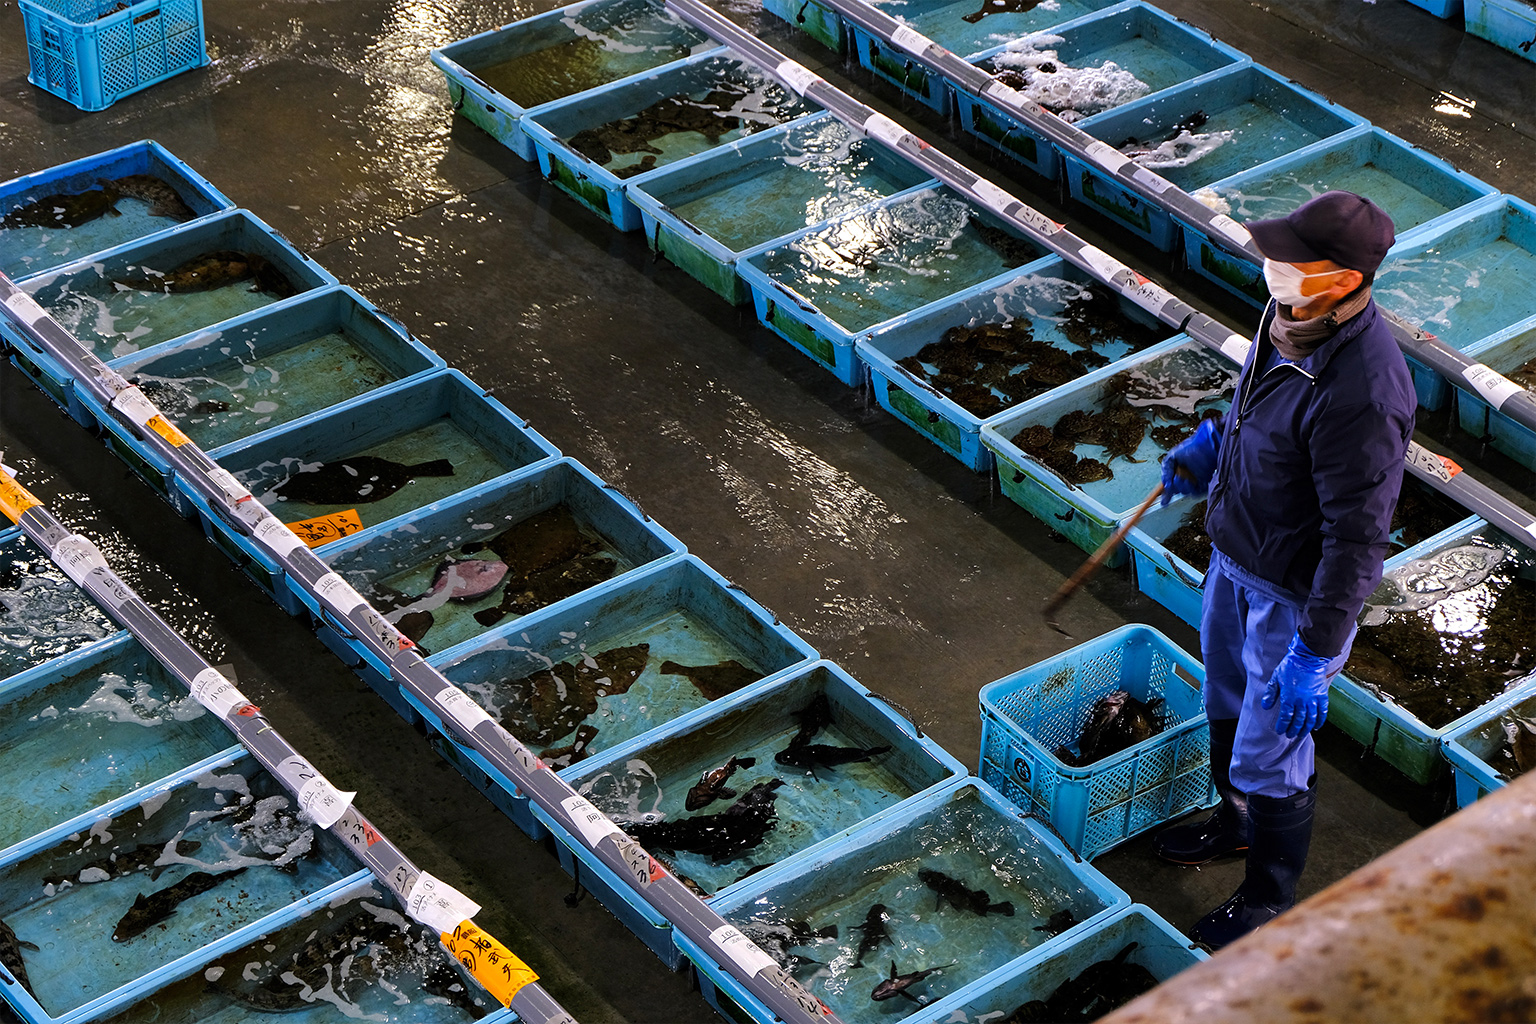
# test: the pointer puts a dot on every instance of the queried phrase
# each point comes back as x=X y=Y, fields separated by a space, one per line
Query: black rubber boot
x=1225 y=832
x=1282 y=833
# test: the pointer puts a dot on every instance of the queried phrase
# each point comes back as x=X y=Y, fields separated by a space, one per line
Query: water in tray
x=42 y=614
x=968 y=843
x=1092 y=82
x=71 y=900
x=1279 y=195
x=1226 y=142
x=92 y=737
x=824 y=171
x=26 y=250
x=880 y=264
x=974 y=25
x=1463 y=295
x=612 y=41
x=254 y=392
x=358 y=959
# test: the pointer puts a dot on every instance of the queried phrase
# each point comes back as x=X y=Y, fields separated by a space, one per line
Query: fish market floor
x=329 y=122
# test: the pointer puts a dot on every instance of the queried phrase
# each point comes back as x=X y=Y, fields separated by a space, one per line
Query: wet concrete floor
x=328 y=121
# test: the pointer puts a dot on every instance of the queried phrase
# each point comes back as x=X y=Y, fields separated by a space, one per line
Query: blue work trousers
x=1246 y=624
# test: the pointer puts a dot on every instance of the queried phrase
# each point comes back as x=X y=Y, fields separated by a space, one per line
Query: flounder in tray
x=10 y=954
x=1116 y=721
x=360 y=478
x=563 y=757
x=150 y=910
x=961 y=896
x=714 y=681
x=1102 y=988
x=724 y=836
x=342 y=958
x=64 y=211
x=552 y=702
x=548 y=586
x=163 y=199
x=667 y=116
x=548 y=557
x=455 y=579
x=213 y=270
x=711 y=785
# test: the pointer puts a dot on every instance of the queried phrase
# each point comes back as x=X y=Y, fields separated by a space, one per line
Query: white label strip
x=883 y=128
x=1004 y=94
x=992 y=197
x=1101 y=262
x=108 y=586
x=1154 y=181
x=797 y=76
x=439 y=905
x=744 y=953
x=1422 y=458
x=26 y=308
x=1530 y=531
x=1149 y=295
x=132 y=403
x=636 y=860
x=77 y=556
x=1236 y=348
x=324 y=802
x=1232 y=229
x=1494 y=387
x=7 y=469
x=224 y=480
x=1107 y=156
x=592 y=823
x=337 y=591
x=214 y=691
x=274 y=534
x=461 y=707
x=911 y=40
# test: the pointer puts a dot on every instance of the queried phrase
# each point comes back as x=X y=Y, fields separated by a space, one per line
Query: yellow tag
x=324 y=529
x=168 y=430
x=491 y=963
x=14 y=498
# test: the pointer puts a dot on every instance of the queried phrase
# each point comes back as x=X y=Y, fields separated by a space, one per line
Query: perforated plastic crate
x=1030 y=715
x=1473 y=750
x=94 y=52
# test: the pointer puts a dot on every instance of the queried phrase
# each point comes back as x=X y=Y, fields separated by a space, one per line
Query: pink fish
x=466 y=579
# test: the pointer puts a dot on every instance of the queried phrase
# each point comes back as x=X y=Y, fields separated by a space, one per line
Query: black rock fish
x=714 y=681
x=138 y=859
x=897 y=984
x=359 y=479
x=10 y=954
x=157 y=906
x=711 y=785
x=779 y=939
x=1102 y=988
x=213 y=270
x=1058 y=923
x=874 y=932
x=811 y=756
x=731 y=833
x=1116 y=721
x=814 y=717
x=63 y=211
x=1001 y=7
x=163 y=199
x=327 y=956
x=960 y=896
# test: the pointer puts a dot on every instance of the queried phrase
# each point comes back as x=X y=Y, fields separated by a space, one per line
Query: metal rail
x=351 y=615
x=427 y=899
x=1477 y=378
x=1438 y=471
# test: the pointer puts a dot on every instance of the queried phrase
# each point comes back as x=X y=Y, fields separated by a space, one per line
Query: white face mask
x=1284 y=281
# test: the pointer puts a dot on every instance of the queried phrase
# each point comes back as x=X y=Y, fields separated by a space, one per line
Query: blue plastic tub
x=834 y=283
x=1030 y=717
x=1268 y=117
x=1088 y=513
x=967 y=27
x=965 y=830
x=47 y=616
x=497 y=77
x=1448 y=9
x=94 y=52
x=1040 y=296
x=1479 y=750
x=1507 y=352
x=893 y=64
x=601 y=185
x=91 y=727
x=1507 y=23
x=820 y=23
x=709 y=211
x=401 y=556
x=1158 y=49
x=25 y=251
x=68 y=895
x=1415 y=188
x=1468 y=280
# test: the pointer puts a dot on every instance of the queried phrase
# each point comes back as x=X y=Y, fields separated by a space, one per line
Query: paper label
x=26 y=308
x=1149 y=295
x=224 y=480
x=461 y=707
x=1492 y=386
x=911 y=40
x=1004 y=94
x=488 y=961
x=593 y=825
x=637 y=861
x=1437 y=466
x=276 y=537
x=324 y=529
x=883 y=128
x=214 y=691
x=439 y=905
x=106 y=585
x=354 y=829
x=1107 y=156
x=797 y=76
x=1232 y=229
x=319 y=799
x=1101 y=263
x=1151 y=179
x=338 y=593
x=741 y=951
x=132 y=404
x=77 y=556
x=1236 y=348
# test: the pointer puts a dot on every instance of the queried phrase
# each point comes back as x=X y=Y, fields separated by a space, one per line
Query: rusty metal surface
x=1443 y=928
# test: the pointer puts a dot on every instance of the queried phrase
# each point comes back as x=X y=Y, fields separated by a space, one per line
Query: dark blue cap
x=1348 y=229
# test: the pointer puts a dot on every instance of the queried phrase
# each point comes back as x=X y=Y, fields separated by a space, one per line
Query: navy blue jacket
x=1309 y=468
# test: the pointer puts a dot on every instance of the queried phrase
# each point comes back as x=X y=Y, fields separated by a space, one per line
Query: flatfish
x=10 y=954
x=1427 y=581
x=553 y=702
x=162 y=197
x=212 y=270
x=64 y=211
x=714 y=681
x=360 y=478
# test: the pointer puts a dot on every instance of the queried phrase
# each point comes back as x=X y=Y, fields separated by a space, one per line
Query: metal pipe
x=1438 y=929
x=1477 y=378
x=427 y=899
x=350 y=614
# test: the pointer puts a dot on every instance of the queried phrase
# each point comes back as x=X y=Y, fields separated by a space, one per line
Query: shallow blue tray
x=47 y=616
x=1474 y=748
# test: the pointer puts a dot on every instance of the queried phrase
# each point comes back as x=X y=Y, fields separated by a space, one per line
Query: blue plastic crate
x=1467 y=279
x=1268 y=116
x=1088 y=513
x=602 y=188
x=1506 y=352
x=403 y=553
x=1039 y=294
x=709 y=211
x=891 y=63
x=47 y=616
x=92 y=53
x=1507 y=23
x=618 y=38
x=1414 y=187
x=28 y=251
x=1028 y=716
x=1448 y=9
x=849 y=308
x=1478 y=750
x=1158 y=49
x=820 y=23
x=982 y=840
x=80 y=973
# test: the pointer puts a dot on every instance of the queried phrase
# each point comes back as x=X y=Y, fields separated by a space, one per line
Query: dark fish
x=63 y=211
x=138 y=859
x=897 y=984
x=1115 y=721
x=213 y=270
x=415 y=625
x=163 y=199
x=1001 y=7
x=714 y=681
x=711 y=785
x=1102 y=988
x=779 y=939
x=874 y=932
x=548 y=586
x=320 y=959
x=960 y=896
x=729 y=834
x=208 y=407
x=443 y=981
x=540 y=552
x=563 y=757
x=361 y=478
x=1058 y=923
x=157 y=906
x=811 y=756
x=10 y=954
x=814 y=717
x=552 y=702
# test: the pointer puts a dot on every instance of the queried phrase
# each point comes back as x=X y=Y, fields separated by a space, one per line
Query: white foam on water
x=135 y=703
x=48 y=712
x=1209 y=198
x=623 y=797
x=1180 y=151
x=44 y=608
x=93 y=874
x=1073 y=93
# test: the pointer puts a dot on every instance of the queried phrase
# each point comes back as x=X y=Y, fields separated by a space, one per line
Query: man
x=1303 y=474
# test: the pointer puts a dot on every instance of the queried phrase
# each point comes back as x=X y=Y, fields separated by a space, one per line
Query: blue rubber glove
x=1190 y=464
x=1300 y=685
